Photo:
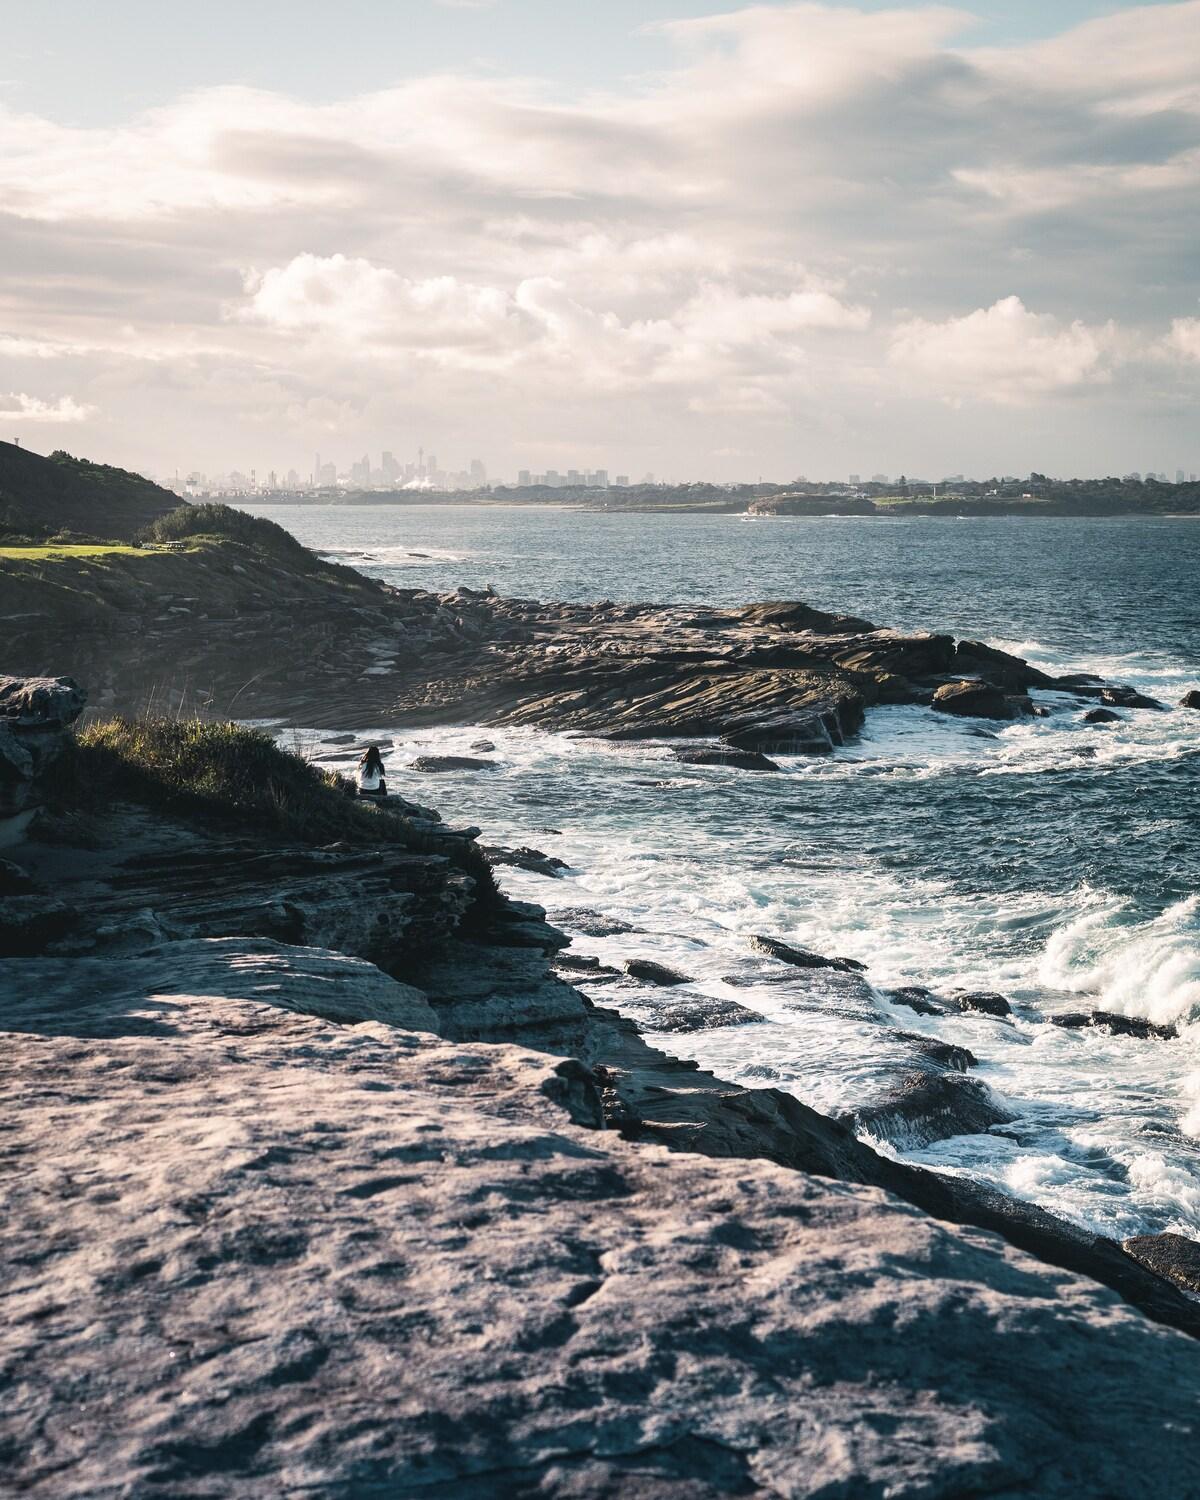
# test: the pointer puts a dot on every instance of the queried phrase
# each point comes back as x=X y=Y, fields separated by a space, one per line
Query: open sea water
x=1055 y=862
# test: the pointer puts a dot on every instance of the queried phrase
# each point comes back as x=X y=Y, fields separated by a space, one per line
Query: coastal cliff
x=330 y=1181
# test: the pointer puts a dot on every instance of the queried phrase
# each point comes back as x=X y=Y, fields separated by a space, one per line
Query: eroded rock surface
x=254 y=1252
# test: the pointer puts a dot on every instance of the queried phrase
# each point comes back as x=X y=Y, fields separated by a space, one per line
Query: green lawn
x=67 y=549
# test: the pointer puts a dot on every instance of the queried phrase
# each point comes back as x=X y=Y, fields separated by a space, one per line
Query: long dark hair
x=371 y=759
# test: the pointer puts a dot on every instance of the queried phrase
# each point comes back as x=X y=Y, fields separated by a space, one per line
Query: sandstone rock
x=1171 y=1255
x=294 y=1256
x=648 y=972
x=801 y=958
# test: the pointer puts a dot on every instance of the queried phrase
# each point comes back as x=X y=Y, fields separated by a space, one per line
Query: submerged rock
x=1136 y=1026
x=649 y=972
x=742 y=760
x=927 y=1106
x=916 y=997
x=801 y=958
x=430 y=764
x=591 y=923
x=704 y=1013
x=942 y=1054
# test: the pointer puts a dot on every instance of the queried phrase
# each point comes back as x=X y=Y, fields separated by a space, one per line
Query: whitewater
x=1051 y=861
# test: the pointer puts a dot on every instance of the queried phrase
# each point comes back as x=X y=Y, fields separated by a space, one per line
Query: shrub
x=215 y=520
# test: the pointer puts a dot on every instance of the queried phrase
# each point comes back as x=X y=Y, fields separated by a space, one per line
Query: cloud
x=23 y=408
x=1183 y=341
x=713 y=257
x=1004 y=353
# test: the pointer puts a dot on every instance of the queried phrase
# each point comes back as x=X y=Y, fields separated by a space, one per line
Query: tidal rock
x=704 y=1013
x=1101 y=716
x=1126 y=697
x=742 y=760
x=942 y=1054
x=916 y=997
x=801 y=958
x=1190 y=699
x=980 y=700
x=585 y=967
x=1012 y=673
x=591 y=923
x=483 y=746
x=1171 y=1255
x=649 y=972
x=432 y=764
x=983 y=1001
x=927 y=1106
x=1135 y=1026
x=525 y=858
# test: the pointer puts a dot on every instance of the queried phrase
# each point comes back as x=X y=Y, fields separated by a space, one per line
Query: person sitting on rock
x=371 y=781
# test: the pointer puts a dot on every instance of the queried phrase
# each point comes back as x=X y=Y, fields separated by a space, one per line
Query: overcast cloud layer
x=825 y=241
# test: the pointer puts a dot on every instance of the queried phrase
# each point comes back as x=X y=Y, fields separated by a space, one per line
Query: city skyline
x=778 y=238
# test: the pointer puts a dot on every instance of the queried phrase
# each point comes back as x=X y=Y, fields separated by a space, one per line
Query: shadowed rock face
x=1170 y=1255
x=252 y=1252
x=35 y=715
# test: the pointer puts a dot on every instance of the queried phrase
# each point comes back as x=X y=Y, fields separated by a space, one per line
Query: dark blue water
x=1055 y=862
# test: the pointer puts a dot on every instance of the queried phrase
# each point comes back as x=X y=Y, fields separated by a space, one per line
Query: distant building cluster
x=553 y=479
x=389 y=474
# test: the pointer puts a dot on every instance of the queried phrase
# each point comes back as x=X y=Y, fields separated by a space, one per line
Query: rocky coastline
x=326 y=1173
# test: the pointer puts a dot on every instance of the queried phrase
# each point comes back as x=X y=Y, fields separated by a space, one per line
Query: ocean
x=1052 y=861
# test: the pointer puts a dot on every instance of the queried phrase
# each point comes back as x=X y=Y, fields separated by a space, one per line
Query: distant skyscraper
x=854 y=479
x=523 y=477
x=1178 y=476
x=600 y=477
x=478 y=473
x=389 y=467
x=621 y=481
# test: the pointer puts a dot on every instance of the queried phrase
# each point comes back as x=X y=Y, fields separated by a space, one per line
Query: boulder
x=1190 y=699
x=1101 y=716
x=801 y=958
x=649 y=972
x=716 y=755
x=928 y=1106
x=432 y=764
x=36 y=714
x=1171 y=1255
x=983 y=1001
x=980 y=700
x=1012 y=673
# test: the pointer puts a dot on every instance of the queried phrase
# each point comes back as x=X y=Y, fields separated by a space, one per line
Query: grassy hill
x=72 y=498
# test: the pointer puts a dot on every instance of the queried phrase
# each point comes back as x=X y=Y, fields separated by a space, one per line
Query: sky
x=671 y=236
